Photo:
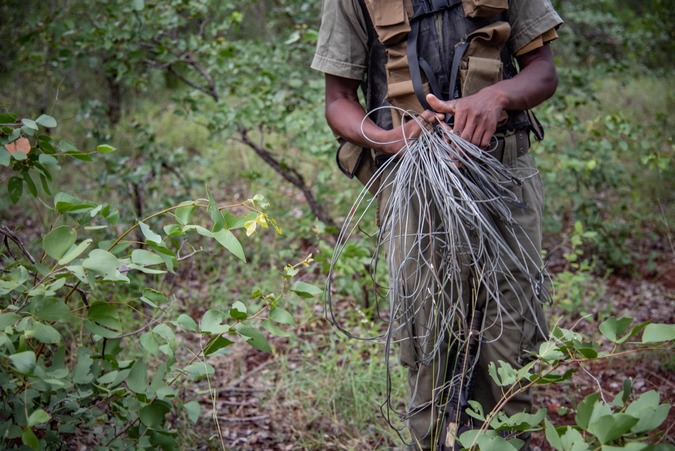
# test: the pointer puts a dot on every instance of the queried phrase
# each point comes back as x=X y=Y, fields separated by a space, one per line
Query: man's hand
x=476 y=116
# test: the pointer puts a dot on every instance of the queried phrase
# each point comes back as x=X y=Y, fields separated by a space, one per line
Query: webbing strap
x=413 y=64
x=454 y=70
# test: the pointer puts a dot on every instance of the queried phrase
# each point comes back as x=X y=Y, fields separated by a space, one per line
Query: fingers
x=439 y=105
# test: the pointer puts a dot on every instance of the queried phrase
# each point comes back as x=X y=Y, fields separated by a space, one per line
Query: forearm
x=535 y=83
x=347 y=118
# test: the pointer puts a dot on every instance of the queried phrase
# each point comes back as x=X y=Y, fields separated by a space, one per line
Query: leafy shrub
x=88 y=337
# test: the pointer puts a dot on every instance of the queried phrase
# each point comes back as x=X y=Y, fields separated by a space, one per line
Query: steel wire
x=448 y=211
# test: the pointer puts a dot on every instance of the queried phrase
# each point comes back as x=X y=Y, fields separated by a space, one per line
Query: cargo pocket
x=356 y=161
x=484 y=8
x=481 y=64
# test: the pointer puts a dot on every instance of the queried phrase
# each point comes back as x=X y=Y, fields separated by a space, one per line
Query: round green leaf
x=24 y=362
x=44 y=333
x=46 y=121
x=153 y=414
x=38 y=417
x=146 y=258
x=30 y=124
x=193 y=409
x=57 y=242
x=138 y=377
x=656 y=333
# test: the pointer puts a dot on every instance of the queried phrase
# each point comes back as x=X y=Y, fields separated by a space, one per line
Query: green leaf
x=5 y=156
x=64 y=203
x=164 y=331
x=153 y=415
x=149 y=343
x=29 y=439
x=279 y=315
x=104 y=263
x=216 y=216
x=648 y=411
x=57 y=242
x=656 y=333
x=8 y=319
x=32 y=189
x=274 y=329
x=585 y=410
x=614 y=329
x=199 y=370
x=193 y=410
x=634 y=446
x=149 y=234
x=44 y=333
x=105 y=314
x=549 y=351
x=153 y=297
x=230 y=242
x=253 y=337
x=75 y=252
x=30 y=124
x=138 y=377
x=105 y=148
x=572 y=440
x=50 y=309
x=186 y=322
x=108 y=378
x=82 y=372
x=305 y=290
x=38 y=416
x=15 y=189
x=146 y=258
x=611 y=427
x=138 y=5
x=46 y=121
x=7 y=118
x=216 y=344
x=552 y=436
x=24 y=362
x=184 y=214
x=238 y=311
x=212 y=322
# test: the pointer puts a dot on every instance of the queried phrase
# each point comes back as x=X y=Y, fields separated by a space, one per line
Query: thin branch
x=12 y=236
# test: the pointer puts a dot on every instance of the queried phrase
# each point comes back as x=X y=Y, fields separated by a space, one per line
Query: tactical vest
x=451 y=48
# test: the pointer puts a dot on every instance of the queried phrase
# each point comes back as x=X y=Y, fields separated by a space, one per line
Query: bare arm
x=476 y=116
x=345 y=116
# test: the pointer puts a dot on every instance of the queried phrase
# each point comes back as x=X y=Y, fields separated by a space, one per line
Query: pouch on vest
x=355 y=161
x=484 y=8
x=481 y=64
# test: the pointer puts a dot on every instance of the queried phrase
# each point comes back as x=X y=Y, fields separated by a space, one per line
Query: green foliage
x=57 y=383
x=628 y=421
x=576 y=289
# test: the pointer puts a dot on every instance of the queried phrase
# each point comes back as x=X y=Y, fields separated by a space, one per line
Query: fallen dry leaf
x=20 y=145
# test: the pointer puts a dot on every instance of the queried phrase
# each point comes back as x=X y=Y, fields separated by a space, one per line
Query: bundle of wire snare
x=445 y=211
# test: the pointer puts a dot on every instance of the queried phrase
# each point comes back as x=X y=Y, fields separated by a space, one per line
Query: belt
x=521 y=139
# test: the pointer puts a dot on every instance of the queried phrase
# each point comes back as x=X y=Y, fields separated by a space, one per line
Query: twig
x=12 y=236
x=243 y=420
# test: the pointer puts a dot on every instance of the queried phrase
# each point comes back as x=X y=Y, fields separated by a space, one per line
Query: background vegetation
x=172 y=297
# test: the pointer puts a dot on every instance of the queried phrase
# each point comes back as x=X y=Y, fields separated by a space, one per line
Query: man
x=351 y=54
